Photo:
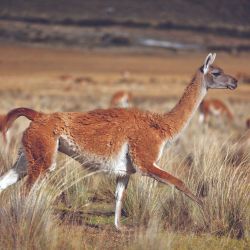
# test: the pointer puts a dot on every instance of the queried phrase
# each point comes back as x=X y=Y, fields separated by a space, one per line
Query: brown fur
x=207 y=107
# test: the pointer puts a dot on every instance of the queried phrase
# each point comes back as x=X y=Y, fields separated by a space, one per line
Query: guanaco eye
x=216 y=73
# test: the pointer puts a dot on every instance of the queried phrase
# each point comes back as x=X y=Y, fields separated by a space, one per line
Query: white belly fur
x=119 y=164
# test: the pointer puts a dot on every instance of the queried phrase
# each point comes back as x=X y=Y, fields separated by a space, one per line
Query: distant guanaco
x=214 y=107
x=118 y=141
x=121 y=99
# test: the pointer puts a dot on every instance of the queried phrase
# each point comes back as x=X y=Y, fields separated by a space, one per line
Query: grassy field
x=74 y=209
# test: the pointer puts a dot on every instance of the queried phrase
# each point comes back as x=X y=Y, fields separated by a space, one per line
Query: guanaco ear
x=208 y=61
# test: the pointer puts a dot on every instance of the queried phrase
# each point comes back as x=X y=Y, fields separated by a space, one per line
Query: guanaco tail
x=119 y=141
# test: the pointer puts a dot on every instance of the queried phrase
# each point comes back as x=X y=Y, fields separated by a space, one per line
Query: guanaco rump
x=119 y=141
x=121 y=99
x=214 y=107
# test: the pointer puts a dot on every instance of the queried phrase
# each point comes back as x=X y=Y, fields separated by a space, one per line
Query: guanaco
x=121 y=99
x=214 y=107
x=118 y=141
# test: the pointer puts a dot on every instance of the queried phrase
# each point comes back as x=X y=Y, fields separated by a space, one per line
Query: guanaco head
x=215 y=78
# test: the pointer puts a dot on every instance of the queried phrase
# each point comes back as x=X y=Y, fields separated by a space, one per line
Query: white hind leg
x=16 y=173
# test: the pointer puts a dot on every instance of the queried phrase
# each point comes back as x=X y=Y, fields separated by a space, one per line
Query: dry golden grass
x=70 y=209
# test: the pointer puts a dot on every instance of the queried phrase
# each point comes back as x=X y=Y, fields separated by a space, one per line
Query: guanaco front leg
x=121 y=186
x=160 y=175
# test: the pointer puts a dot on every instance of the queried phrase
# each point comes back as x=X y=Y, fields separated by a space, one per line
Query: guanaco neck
x=178 y=118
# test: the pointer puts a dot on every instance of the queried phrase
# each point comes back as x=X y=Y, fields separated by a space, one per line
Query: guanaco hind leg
x=17 y=172
x=42 y=158
x=33 y=165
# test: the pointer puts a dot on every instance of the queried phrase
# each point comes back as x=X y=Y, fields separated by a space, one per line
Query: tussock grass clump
x=29 y=221
x=223 y=187
x=154 y=237
x=143 y=200
x=227 y=202
x=75 y=195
